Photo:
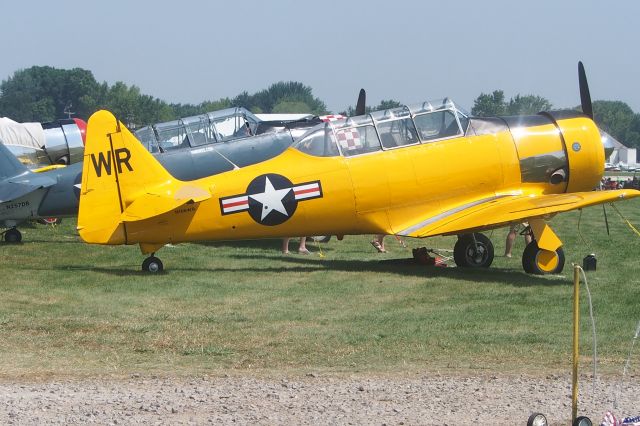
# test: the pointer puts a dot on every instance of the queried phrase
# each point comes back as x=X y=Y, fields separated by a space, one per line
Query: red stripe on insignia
x=305 y=191
x=237 y=203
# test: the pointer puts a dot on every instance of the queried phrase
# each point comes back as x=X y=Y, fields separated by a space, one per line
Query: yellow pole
x=576 y=344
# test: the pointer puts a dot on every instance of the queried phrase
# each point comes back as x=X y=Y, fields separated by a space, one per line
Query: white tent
x=28 y=135
x=621 y=153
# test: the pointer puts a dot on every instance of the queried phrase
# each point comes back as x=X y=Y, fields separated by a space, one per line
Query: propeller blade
x=585 y=96
x=360 y=106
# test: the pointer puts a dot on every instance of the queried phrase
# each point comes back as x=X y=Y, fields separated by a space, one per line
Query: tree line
x=43 y=93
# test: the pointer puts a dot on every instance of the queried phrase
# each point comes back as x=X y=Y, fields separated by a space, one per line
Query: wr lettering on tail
x=103 y=161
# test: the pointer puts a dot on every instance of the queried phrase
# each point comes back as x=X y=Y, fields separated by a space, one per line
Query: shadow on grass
x=268 y=244
x=408 y=267
x=265 y=244
x=404 y=267
x=26 y=242
x=135 y=270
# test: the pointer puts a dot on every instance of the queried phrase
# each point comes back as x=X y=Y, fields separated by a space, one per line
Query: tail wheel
x=152 y=264
x=473 y=252
x=540 y=262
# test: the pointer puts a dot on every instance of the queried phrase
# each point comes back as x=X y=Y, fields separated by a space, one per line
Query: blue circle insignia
x=576 y=146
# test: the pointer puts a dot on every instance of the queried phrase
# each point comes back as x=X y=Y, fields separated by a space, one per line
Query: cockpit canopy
x=219 y=126
x=387 y=129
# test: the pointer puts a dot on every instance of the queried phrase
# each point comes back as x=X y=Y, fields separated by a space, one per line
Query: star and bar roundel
x=271 y=199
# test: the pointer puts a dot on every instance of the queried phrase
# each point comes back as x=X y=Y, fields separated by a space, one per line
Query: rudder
x=116 y=170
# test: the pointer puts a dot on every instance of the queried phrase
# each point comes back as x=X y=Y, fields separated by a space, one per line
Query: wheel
x=13 y=236
x=540 y=262
x=582 y=421
x=537 y=419
x=473 y=254
x=321 y=238
x=152 y=264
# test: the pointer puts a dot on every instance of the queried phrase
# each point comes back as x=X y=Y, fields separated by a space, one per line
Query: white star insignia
x=271 y=199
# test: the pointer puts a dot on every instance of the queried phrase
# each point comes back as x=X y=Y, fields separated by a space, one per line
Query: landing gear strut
x=152 y=264
x=473 y=251
x=12 y=236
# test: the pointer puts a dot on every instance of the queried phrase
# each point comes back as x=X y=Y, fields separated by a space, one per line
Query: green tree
x=489 y=105
x=528 y=104
x=384 y=104
x=292 y=107
x=283 y=91
x=494 y=104
x=619 y=120
x=122 y=101
x=46 y=93
x=387 y=104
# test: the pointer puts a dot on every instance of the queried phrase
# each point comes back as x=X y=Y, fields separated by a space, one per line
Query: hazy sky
x=410 y=51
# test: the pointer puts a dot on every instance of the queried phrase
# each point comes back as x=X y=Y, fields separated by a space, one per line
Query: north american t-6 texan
x=417 y=171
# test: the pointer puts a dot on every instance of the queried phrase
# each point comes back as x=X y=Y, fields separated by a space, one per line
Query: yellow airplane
x=417 y=171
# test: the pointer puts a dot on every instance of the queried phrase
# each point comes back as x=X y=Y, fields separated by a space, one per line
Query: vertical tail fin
x=117 y=169
x=9 y=165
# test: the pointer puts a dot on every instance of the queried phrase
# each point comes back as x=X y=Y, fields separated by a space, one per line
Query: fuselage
x=383 y=189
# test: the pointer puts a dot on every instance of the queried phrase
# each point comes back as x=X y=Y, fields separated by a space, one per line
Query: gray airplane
x=26 y=195
x=43 y=144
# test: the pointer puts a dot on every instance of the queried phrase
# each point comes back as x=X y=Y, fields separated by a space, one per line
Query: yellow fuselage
x=385 y=191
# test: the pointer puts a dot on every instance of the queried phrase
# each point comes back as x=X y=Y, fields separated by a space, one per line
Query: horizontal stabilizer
x=12 y=189
x=149 y=205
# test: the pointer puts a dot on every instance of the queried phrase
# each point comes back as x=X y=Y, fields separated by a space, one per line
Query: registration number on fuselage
x=17 y=205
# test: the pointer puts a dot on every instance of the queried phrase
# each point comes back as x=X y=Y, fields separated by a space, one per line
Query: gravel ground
x=426 y=399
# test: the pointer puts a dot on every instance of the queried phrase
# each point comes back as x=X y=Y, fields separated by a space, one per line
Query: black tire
x=320 y=238
x=537 y=419
x=152 y=264
x=467 y=254
x=582 y=421
x=13 y=236
x=532 y=263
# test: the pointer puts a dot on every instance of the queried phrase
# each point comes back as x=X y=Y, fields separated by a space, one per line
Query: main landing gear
x=473 y=251
x=476 y=251
x=12 y=235
x=152 y=264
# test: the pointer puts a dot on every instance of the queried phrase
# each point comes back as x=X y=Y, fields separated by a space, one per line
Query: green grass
x=67 y=308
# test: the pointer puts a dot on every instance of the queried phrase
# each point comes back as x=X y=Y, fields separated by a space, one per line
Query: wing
x=499 y=210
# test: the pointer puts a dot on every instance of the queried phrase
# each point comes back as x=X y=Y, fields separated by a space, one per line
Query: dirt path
x=428 y=399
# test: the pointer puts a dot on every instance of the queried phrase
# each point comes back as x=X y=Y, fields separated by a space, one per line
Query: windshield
x=319 y=142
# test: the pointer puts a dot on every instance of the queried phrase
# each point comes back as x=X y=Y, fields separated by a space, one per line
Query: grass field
x=67 y=308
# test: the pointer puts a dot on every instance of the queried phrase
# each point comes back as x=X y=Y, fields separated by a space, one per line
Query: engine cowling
x=64 y=140
x=558 y=151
